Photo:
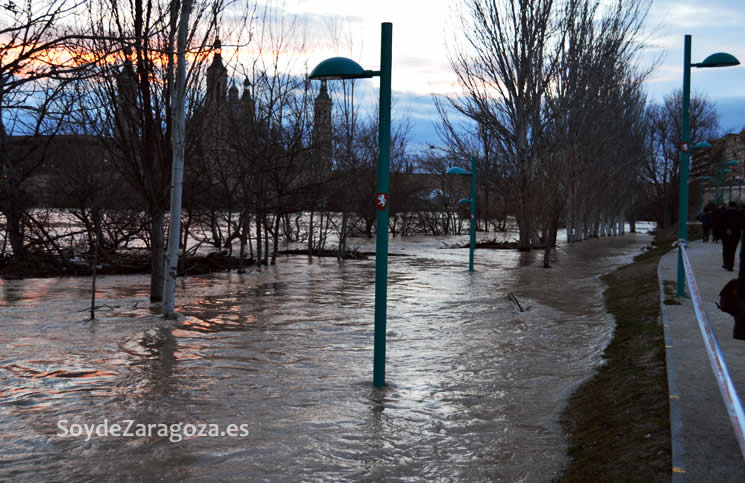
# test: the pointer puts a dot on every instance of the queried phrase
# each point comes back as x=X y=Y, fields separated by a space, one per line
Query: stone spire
x=126 y=108
x=233 y=94
x=322 y=134
x=247 y=100
x=217 y=77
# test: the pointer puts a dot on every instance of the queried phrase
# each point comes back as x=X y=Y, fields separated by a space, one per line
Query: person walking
x=732 y=226
x=706 y=223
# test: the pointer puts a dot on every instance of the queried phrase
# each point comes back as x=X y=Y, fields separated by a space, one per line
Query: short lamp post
x=722 y=179
x=343 y=68
x=719 y=59
x=472 y=202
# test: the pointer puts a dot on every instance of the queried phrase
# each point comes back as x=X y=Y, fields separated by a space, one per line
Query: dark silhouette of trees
x=661 y=171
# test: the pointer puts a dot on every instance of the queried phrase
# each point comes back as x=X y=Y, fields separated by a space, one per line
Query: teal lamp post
x=703 y=178
x=731 y=163
x=719 y=59
x=472 y=202
x=697 y=147
x=343 y=68
x=723 y=175
x=720 y=182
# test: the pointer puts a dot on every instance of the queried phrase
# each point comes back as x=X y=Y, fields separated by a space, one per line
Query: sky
x=422 y=30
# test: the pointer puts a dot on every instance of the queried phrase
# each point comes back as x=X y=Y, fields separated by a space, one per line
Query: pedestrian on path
x=706 y=223
x=732 y=226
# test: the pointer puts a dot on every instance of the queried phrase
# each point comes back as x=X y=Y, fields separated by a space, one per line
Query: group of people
x=725 y=223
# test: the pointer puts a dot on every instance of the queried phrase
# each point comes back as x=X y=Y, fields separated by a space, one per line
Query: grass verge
x=617 y=422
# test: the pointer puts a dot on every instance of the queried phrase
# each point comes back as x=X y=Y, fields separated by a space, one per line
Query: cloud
x=697 y=15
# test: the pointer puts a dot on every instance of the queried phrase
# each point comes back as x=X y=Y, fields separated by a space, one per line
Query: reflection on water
x=475 y=387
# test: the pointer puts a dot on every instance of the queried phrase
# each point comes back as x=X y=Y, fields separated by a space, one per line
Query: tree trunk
x=310 y=234
x=368 y=226
x=266 y=241
x=156 y=256
x=229 y=242
x=258 y=240
x=276 y=239
x=343 y=236
x=184 y=243
x=243 y=235
x=15 y=231
x=524 y=228
x=97 y=225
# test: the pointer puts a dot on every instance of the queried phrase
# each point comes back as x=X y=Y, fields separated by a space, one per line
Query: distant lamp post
x=719 y=59
x=720 y=170
x=731 y=163
x=723 y=173
x=343 y=68
x=703 y=178
x=472 y=202
x=697 y=147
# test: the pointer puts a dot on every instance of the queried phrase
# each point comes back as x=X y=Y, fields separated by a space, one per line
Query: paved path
x=705 y=440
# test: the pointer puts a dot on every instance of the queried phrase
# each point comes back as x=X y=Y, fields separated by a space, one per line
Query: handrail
x=716 y=358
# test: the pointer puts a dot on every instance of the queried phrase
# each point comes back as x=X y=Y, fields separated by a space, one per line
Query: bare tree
x=661 y=172
x=129 y=104
x=552 y=88
x=505 y=71
x=35 y=65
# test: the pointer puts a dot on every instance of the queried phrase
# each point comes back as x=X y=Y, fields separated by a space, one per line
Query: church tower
x=217 y=78
x=126 y=120
x=322 y=133
x=248 y=102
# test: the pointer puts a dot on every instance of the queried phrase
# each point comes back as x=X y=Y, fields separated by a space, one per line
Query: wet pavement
x=704 y=442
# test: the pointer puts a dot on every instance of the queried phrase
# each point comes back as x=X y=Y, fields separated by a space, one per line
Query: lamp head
x=340 y=68
x=456 y=170
x=464 y=201
x=702 y=145
x=733 y=163
x=720 y=59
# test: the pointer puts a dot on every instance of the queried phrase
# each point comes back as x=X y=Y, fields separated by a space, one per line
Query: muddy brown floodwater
x=475 y=387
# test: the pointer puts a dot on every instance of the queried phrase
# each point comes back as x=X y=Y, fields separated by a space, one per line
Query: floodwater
x=475 y=388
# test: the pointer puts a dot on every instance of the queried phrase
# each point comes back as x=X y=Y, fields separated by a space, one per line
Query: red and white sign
x=684 y=147
x=381 y=200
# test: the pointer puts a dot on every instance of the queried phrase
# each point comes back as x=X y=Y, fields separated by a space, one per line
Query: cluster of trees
x=104 y=71
x=660 y=174
x=552 y=99
x=553 y=96
x=556 y=113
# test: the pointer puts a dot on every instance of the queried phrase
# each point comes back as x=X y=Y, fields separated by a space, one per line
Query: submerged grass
x=617 y=422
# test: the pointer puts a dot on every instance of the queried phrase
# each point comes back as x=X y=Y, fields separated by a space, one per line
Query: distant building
x=322 y=142
x=727 y=178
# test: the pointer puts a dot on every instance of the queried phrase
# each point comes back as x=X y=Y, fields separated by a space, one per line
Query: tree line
x=553 y=106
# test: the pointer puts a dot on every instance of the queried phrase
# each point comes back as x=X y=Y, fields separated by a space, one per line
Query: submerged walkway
x=704 y=444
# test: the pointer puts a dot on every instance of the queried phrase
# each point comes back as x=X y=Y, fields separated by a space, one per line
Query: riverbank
x=617 y=422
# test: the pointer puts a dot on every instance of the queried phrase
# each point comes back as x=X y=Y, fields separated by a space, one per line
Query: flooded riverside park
x=475 y=387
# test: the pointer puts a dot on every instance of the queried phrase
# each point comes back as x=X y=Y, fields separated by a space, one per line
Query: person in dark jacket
x=706 y=223
x=732 y=226
x=732 y=297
